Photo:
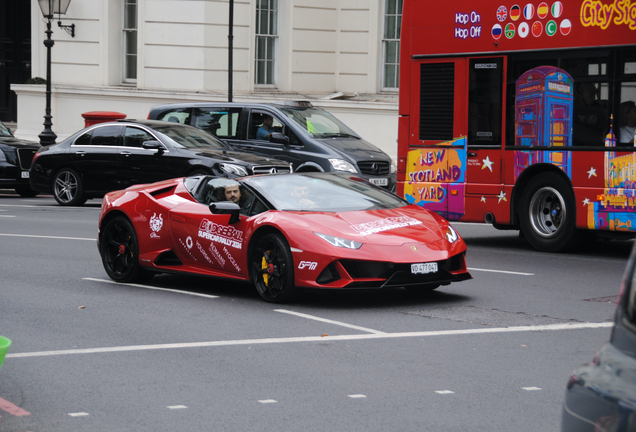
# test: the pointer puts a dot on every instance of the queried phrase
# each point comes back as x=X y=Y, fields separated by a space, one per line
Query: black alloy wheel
x=120 y=252
x=68 y=188
x=548 y=214
x=273 y=269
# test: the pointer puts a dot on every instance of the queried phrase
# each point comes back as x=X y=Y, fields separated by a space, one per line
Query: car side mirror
x=153 y=145
x=228 y=208
x=279 y=138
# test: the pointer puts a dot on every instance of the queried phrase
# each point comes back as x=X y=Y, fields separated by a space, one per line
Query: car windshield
x=323 y=192
x=4 y=131
x=318 y=123
x=189 y=137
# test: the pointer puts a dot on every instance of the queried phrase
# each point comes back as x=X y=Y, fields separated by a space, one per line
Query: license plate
x=379 y=181
x=25 y=174
x=424 y=268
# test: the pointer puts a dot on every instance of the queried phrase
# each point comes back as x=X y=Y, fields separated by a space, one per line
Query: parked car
x=601 y=396
x=15 y=160
x=283 y=232
x=309 y=138
x=115 y=155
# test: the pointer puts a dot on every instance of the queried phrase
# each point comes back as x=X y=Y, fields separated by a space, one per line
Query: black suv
x=309 y=138
x=116 y=155
x=15 y=161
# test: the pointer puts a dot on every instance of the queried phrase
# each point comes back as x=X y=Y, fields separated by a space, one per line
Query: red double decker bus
x=521 y=115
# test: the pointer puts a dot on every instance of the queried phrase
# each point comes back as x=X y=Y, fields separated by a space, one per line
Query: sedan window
x=106 y=136
x=189 y=137
x=134 y=137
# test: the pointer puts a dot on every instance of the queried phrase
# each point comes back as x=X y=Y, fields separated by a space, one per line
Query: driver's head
x=232 y=192
x=300 y=192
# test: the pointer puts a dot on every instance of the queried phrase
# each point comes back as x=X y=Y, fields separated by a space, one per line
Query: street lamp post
x=50 y=7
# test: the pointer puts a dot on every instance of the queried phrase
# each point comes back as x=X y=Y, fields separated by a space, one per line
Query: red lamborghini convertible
x=283 y=232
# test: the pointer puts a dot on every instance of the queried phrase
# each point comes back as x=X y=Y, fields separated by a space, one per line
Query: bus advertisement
x=521 y=115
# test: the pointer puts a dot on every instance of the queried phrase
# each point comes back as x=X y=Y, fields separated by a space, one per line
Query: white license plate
x=379 y=181
x=424 y=268
x=25 y=174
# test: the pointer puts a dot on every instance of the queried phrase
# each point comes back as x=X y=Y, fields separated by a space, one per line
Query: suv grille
x=25 y=156
x=374 y=168
x=264 y=169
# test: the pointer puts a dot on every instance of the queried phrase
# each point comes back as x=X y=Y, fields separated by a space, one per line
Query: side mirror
x=279 y=138
x=228 y=208
x=153 y=145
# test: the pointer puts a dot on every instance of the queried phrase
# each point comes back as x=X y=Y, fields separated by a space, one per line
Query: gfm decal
x=309 y=265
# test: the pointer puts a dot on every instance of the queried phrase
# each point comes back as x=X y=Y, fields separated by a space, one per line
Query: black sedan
x=115 y=155
x=601 y=396
x=15 y=160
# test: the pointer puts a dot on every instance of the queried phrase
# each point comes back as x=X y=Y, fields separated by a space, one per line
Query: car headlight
x=235 y=170
x=393 y=166
x=451 y=234
x=340 y=242
x=342 y=165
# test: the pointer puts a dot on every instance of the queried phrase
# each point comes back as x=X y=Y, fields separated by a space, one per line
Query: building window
x=391 y=43
x=266 y=38
x=130 y=41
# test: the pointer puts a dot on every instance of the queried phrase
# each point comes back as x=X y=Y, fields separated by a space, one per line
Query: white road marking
x=351 y=326
x=531 y=388
x=501 y=271
x=49 y=237
x=444 y=392
x=177 y=407
x=17 y=205
x=357 y=396
x=152 y=288
x=548 y=327
x=7 y=216
x=78 y=414
x=264 y=401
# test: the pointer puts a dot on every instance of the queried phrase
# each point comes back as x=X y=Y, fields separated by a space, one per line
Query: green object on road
x=4 y=347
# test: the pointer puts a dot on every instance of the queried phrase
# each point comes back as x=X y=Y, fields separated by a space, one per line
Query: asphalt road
x=198 y=354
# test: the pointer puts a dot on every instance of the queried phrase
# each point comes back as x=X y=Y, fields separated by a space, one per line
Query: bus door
x=437 y=153
x=484 y=161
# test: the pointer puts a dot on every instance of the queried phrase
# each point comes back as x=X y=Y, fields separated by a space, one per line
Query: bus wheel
x=548 y=214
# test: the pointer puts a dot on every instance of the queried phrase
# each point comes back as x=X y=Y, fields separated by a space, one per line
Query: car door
x=94 y=157
x=135 y=164
x=252 y=144
x=220 y=121
x=208 y=240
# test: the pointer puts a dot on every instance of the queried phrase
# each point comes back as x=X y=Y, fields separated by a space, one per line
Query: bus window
x=484 y=102
x=591 y=121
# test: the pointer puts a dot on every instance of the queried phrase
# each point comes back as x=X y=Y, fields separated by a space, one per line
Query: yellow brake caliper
x=265 y=266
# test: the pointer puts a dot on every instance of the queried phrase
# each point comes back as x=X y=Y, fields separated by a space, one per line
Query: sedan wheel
x=273 y=269
x=68 y=189
x=120 y=252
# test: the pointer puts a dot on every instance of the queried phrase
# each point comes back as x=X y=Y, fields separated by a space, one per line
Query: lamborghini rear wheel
x=120 y=252
x=272 y=269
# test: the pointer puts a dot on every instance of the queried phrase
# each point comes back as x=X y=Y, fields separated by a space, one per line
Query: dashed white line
x=152 y=288
x=172 y=407
x=531 y=388
x=444 y=392
x=49 y=237
x=339 y=323
x=501 y=271
x=548 y=327
x=267 y=401
x=78 y=414
x=357 y=396
x=7 y=216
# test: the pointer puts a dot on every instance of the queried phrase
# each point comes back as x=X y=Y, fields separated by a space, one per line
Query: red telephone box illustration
x=543 y=117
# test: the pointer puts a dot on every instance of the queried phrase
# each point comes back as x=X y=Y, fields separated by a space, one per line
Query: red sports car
x=283 y=232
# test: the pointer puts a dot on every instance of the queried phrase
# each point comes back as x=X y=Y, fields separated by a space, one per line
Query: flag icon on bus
x=528 y=11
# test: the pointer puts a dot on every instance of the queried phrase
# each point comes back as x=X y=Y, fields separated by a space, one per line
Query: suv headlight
x=342 y=165
x=340 y=242
x=393 y=166
x=235 y=170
